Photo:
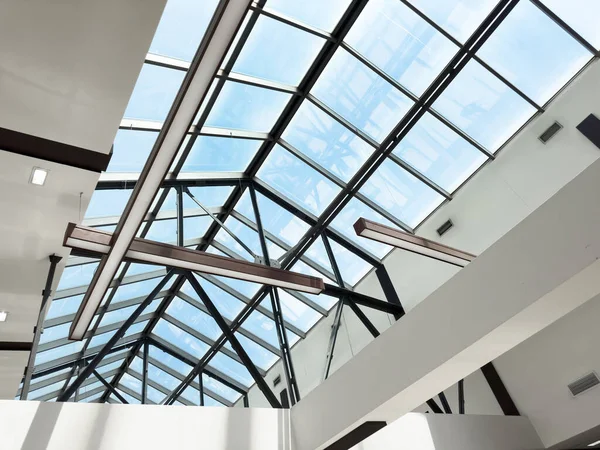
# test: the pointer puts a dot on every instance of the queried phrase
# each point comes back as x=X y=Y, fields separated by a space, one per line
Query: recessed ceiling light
x=3 y=315
x=593 y=444
x=38 y=176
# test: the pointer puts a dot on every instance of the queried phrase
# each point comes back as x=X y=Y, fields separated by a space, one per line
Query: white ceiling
x=67 y=70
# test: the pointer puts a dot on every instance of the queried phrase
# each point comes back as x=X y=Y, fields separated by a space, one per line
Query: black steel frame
x=319 y=226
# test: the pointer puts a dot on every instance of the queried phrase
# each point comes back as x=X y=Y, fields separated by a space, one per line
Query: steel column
x=145 y=372
x=286 y=357
x=54 y=260
x=113 y=340
x=180 y=232
x=499 y=390
x=461 y=397
x=201 y=389
x=445 y=403
x=335 y=326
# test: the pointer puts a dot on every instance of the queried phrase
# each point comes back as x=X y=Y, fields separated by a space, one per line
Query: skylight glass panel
x=277 y=52
x=264 y=327
x=361 y=96
x=460 y=18
x=231 y=368
x=138 y=268
x=194 y=318
x=134 y=290
x=169 y=360
x=345 y=220
x=317 y=253
x=120 y=315
x=161 y=377
x=180 y=338
x=154 y=92
x=36 y=380
x=181 y=28
x=317 y=13
x=191 y=394
x=259 y=355
x=246 y=288
x=326 y=141
x=209 y=196
x=34 y=395
x=64 y=306
x=322 y=300
x=89 y=387
x=227 y=304
x=353 y=268
x=91 y=398
x=107 y=203
x=55 y=333
x=244 y=107
x=58 y=352
x=130 y=150
x=108 y=367
x=577 y=14
x=533 y=52
x=401 y=194
x=131 y=382
x=220 y=154
x=296 y=312
x=483 y=106
x=166 y=230
x=439 y=153
x=393 y=37
x=219 y=388
x=75 y=276
x=131 y=400
x=275 y=220
x=298 y=181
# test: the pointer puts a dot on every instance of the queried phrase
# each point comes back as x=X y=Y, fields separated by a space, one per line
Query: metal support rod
x=108 y=386
x=434 y=406
x=461 y=397
x=239 y=349
x=221 y=224
x=113 y=340
x=389 y=290
x=286 y=357
x=347 y=299
x=77 y=372
x=180 y=232
x=246 y=402
x=361 y=299
x=445 y=403
x=145 y=372
x=335 y=326
x=201 y=389
x=54 y=260
x=499 y=390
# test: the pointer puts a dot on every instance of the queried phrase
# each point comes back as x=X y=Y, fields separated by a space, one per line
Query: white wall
x=525 y=174
x=537 y=372
x=416 y=431
x=30 y=425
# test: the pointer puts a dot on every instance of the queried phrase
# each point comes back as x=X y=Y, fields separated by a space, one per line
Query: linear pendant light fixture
x=217 y=39
x=412 y=243
x=97 y=243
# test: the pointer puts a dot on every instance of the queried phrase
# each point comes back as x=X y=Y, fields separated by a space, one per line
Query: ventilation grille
x=584 y=383
x=445 y=227
x=277 y=380
x=550 y=132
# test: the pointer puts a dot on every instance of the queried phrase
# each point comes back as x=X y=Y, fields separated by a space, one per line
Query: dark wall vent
x=445 y=227
x=277 y=380
x=550 y=132
x=583 y=384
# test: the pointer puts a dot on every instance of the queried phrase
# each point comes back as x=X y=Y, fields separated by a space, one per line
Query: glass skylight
x=315 y=159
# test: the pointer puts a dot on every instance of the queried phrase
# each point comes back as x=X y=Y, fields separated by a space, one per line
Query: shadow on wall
x=46 y=420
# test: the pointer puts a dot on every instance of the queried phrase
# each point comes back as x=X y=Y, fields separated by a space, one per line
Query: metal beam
x=434 y=406
x=499 y=390
x=461 y=397
x=108 y=386
x=444 y=402
x=120 y=332
x=145 y=372
x=54 y=260
x=260 y=381
x=286 y=357
x=387 y=286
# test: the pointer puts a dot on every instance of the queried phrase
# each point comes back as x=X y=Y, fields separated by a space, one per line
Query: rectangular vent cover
x=550 y=132
x=584 y=383
x=445 y=227
x=277 y=380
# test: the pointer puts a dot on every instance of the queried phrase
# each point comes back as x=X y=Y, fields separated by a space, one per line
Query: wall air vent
x=445 y=227
x=277 y=380
x=584 y=383
x=550 y=132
